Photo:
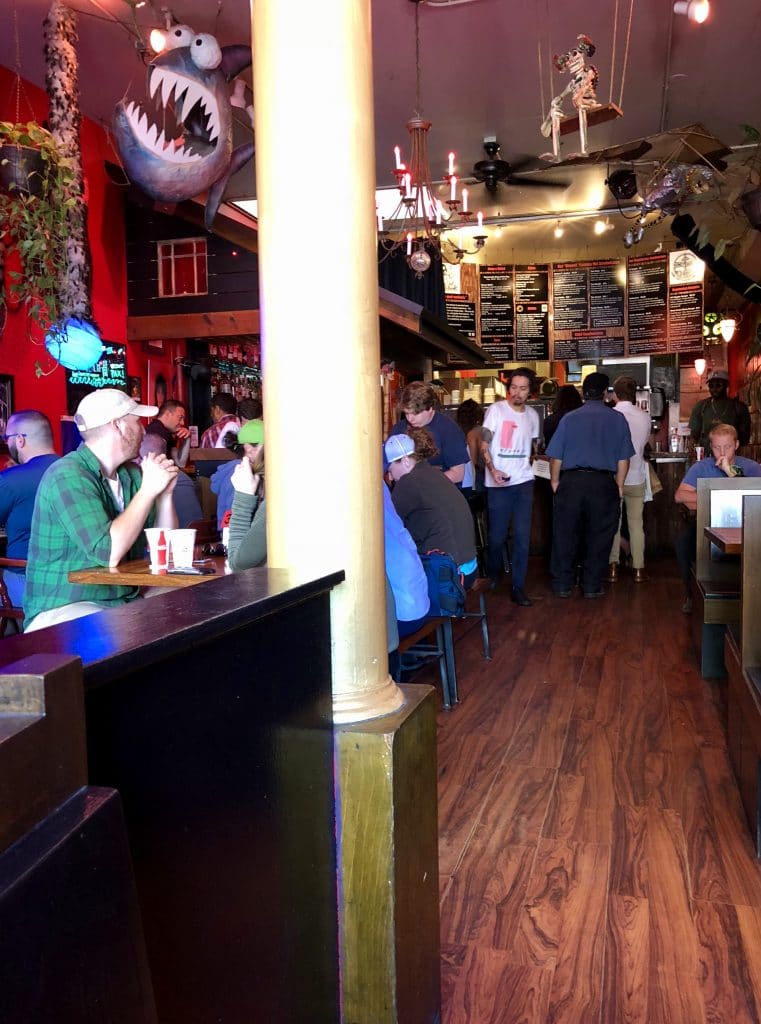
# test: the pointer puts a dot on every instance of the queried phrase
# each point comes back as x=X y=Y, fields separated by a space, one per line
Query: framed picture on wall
x=6 y=400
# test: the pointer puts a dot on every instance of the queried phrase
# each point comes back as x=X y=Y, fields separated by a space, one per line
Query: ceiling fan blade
x=537 y=182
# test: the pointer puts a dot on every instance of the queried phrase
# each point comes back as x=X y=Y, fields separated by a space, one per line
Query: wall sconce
x=700 y=366
x=696 y=10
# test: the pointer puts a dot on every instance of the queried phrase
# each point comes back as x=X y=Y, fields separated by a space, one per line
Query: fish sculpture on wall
x=186 y=148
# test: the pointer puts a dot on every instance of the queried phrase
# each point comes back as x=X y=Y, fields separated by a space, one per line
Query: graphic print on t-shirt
x=507 y=448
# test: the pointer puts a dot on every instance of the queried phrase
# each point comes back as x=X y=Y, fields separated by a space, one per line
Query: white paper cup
x=182 y=543
x=699 y=453
x=158 y=548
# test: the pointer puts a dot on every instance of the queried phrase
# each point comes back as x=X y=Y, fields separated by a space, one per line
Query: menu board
x=648 y=304
x=461 y=313
x=532 y=312
x=497 y=329
x=109 y=372
x=588 y=309
x=685 y=301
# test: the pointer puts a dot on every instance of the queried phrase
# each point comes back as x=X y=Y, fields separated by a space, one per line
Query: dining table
x=728 y=539
x=137 y=573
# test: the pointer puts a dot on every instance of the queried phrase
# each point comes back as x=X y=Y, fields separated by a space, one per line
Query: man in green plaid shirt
x=91 y=509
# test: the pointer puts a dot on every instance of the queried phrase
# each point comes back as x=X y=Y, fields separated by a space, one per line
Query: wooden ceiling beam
x=193 y=325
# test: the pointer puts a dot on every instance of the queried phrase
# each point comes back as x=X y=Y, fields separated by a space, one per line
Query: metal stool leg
x=484 y=627
x=449 y=652
x=444 y=666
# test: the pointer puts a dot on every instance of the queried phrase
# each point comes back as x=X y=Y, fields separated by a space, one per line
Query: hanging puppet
x=190 y=150
x=582 y=89
x=669 y=190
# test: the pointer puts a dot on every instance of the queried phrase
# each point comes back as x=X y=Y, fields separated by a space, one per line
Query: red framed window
x=182 y=267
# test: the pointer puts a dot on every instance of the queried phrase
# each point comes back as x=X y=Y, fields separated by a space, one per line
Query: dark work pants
x=685 y=544
x=508 y=504
x=587 y=508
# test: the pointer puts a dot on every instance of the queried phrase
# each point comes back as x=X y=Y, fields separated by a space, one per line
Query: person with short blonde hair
x=723 y=461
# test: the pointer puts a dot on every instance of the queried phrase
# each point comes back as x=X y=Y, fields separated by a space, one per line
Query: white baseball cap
x=108 y=404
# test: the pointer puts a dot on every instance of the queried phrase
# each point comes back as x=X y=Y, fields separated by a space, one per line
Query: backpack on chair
x=445 y=584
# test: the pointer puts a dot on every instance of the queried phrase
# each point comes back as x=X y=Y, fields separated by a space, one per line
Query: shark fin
x=234 y=60
x=240 y=156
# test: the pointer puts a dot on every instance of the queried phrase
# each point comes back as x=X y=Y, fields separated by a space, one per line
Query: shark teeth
x=150 y=138
x=187 y=92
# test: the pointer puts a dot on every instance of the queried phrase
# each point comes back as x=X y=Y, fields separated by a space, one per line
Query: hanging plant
x=34 y=220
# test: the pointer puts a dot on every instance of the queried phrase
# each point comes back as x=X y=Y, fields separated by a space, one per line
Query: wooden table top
x=728 y=539
x=137 y=574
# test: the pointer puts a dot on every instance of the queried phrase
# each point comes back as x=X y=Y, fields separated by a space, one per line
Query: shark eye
x=205 y=52
x=179 y=35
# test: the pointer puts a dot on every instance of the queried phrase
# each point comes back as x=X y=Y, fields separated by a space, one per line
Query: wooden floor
x=595 y=862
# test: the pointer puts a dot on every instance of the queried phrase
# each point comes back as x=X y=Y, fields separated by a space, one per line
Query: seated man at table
x=30 y=442
x=169 y=427
x=92 y=507
x=724 y=462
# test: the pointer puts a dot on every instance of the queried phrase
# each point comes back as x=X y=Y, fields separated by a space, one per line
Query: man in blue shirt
x=419 y=408
x=30 y=442
x=589 y=459
x=724 y=463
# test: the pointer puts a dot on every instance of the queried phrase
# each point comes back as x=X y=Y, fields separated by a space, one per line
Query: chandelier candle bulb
x=408 y=186
x=451 y=164
x=453 y=189
x=464 y=200
x=480 y=220
x=398 y=158
x=409 y=244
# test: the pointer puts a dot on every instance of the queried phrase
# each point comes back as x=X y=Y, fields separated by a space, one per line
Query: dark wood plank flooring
x=595 y=862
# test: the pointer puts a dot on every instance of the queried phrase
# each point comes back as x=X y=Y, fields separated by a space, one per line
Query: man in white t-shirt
x=509 y=429
x=625 y=391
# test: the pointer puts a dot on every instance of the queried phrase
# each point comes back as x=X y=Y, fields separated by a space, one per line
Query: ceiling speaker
x=622 y=184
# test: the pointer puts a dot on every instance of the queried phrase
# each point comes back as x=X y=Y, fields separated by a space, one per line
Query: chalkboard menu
x=497 y=330
x=685 y=302
x=648 y=304
x=588 y=309
x=461 y=313
x=532 y=312
x=109 y=372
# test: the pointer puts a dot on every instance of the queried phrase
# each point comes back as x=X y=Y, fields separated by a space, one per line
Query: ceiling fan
x=494 y=171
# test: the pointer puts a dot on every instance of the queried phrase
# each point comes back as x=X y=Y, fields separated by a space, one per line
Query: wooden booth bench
x=742 y=648
x=716 y=576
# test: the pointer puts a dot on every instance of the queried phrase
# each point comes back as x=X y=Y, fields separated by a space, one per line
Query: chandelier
x=416 y=223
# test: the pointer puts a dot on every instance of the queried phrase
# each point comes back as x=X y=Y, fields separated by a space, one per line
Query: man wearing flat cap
x=589 y=459
x=91 y=509
x=719 y=408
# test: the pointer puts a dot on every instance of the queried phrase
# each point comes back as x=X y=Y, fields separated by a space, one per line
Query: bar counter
x=209 y=709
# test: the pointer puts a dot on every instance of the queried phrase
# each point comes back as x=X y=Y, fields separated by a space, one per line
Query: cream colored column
x=315 y=178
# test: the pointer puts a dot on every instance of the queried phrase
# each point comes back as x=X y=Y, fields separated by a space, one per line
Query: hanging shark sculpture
x=190 y=149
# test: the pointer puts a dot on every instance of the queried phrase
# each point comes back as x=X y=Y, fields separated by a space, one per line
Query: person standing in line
x=589 y=459
x=625 y=392
x=566 y=400
x=719 y=408
x=419 y=408
x=29 y=437
x=510 y=427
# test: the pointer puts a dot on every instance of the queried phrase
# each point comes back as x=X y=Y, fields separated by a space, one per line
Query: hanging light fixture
x=727 y=327
x=700 y=366
x=416 y=223
x=75 y=344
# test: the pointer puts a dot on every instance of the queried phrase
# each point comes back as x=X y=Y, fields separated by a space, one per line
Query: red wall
x=21 y=344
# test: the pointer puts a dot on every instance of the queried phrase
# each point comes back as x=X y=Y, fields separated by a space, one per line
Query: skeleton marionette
x=581 y=88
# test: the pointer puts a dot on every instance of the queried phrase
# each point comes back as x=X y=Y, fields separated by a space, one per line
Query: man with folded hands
x=723 y=462
x=91 y=509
